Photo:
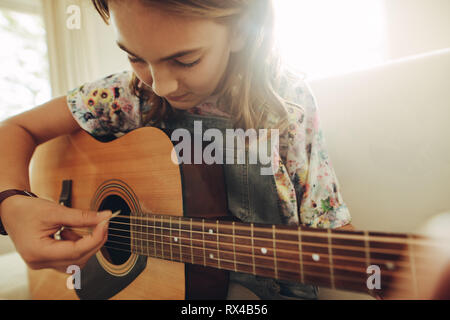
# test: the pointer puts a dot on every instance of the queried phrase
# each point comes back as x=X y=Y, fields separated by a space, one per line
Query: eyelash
x=180 y=64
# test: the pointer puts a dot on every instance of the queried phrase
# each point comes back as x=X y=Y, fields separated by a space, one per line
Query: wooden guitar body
x=135 y=174
x=171 y=240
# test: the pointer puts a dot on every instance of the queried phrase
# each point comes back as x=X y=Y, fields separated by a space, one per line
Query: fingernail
x=104 y=225
x=104 y=214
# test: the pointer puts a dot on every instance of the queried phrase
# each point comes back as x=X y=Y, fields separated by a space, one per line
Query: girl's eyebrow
x=173 y=56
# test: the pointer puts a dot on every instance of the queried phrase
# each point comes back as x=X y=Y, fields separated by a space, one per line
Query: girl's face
x=182 y=59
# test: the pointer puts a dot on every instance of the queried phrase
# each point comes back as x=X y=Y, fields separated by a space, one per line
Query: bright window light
x=327 y=37
x=24 y=80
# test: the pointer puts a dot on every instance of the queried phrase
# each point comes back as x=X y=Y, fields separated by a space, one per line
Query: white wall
x=387 y=130
x=81 y=54
x=386 y=126
x=106 y=55
x=417 y=26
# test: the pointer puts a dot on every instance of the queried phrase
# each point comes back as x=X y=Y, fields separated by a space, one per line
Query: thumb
x=83 y=218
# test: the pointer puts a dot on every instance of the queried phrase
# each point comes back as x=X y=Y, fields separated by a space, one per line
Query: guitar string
x=281 y=231
x=399 y=254
x=430 y=242
x=390 y=285
x=269 y=258
x=279 y=241
x=166 y=258
x=215 y=250
x=357 y=248
x=160 y=253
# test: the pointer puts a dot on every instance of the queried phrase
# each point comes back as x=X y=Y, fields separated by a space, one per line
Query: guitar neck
x=335 y=259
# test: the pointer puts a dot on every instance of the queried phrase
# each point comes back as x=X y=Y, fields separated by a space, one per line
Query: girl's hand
x=32 y=222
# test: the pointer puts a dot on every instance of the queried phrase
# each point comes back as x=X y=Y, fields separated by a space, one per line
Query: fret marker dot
x=315 y=257
x=211 y=256
x=390 y=265
x=263 y=250
x=175 y=239
x=211 y=231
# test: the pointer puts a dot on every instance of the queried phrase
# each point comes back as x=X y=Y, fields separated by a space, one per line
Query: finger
x=67 y=234
x=62 y=265
x=80 y=218
x=82 y=261
x=75 y=250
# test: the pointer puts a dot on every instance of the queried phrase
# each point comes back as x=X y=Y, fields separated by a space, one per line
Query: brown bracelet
x=9 y=193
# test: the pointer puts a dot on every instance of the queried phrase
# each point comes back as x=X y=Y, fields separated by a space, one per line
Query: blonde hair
x=253 y=74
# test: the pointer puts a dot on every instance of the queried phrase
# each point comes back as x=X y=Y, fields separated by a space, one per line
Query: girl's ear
x=238 y=42
x=238 y=36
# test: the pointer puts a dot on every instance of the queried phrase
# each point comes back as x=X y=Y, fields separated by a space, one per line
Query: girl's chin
x=184 y=104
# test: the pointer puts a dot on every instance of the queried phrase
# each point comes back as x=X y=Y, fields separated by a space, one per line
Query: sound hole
x=117 y=249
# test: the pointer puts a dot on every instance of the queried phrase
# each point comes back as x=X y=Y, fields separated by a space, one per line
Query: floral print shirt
x=306 y=182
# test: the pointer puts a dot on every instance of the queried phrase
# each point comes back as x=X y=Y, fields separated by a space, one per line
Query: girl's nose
x=163 y=82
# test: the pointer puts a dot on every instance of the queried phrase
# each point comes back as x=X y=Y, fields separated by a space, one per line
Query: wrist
x=7 y=194
x=6 y=204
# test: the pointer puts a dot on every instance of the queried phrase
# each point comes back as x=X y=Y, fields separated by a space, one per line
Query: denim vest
x=252 y=197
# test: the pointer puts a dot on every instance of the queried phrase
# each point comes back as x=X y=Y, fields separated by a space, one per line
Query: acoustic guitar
x=175 y=239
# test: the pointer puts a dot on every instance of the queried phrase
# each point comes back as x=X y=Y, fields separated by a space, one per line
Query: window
x=328 y=37
x=24 y=65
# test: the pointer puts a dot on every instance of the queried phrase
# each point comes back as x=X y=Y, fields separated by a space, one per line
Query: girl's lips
x=177 y=98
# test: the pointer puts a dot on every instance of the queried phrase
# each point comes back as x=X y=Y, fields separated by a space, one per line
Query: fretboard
x=335 y=259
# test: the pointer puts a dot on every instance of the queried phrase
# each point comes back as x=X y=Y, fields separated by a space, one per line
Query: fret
x=234 y=239
x=211 y=244
x=138 y=233
x=147 y=235
x=253 y=250
x=330 y=258
x=367 y=248
x=168 y=241
x=185 y=241
x=203 y=240
x=197 y=242
x=218 y=249
x=413 y=267
x=154 y=235
x=140 y=226
x=388 y=253
x=170 y=237
x=314 y=261
x=264 y=253
x=286 y=253
x=179 y=240
x=162 y=239
x=135 y=234
x=349 y=260
x=300 y=254
x=234 y=248
x=274 y=245
x=192 y=249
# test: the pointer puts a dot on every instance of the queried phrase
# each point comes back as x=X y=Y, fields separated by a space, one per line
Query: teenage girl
x=207 y=58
